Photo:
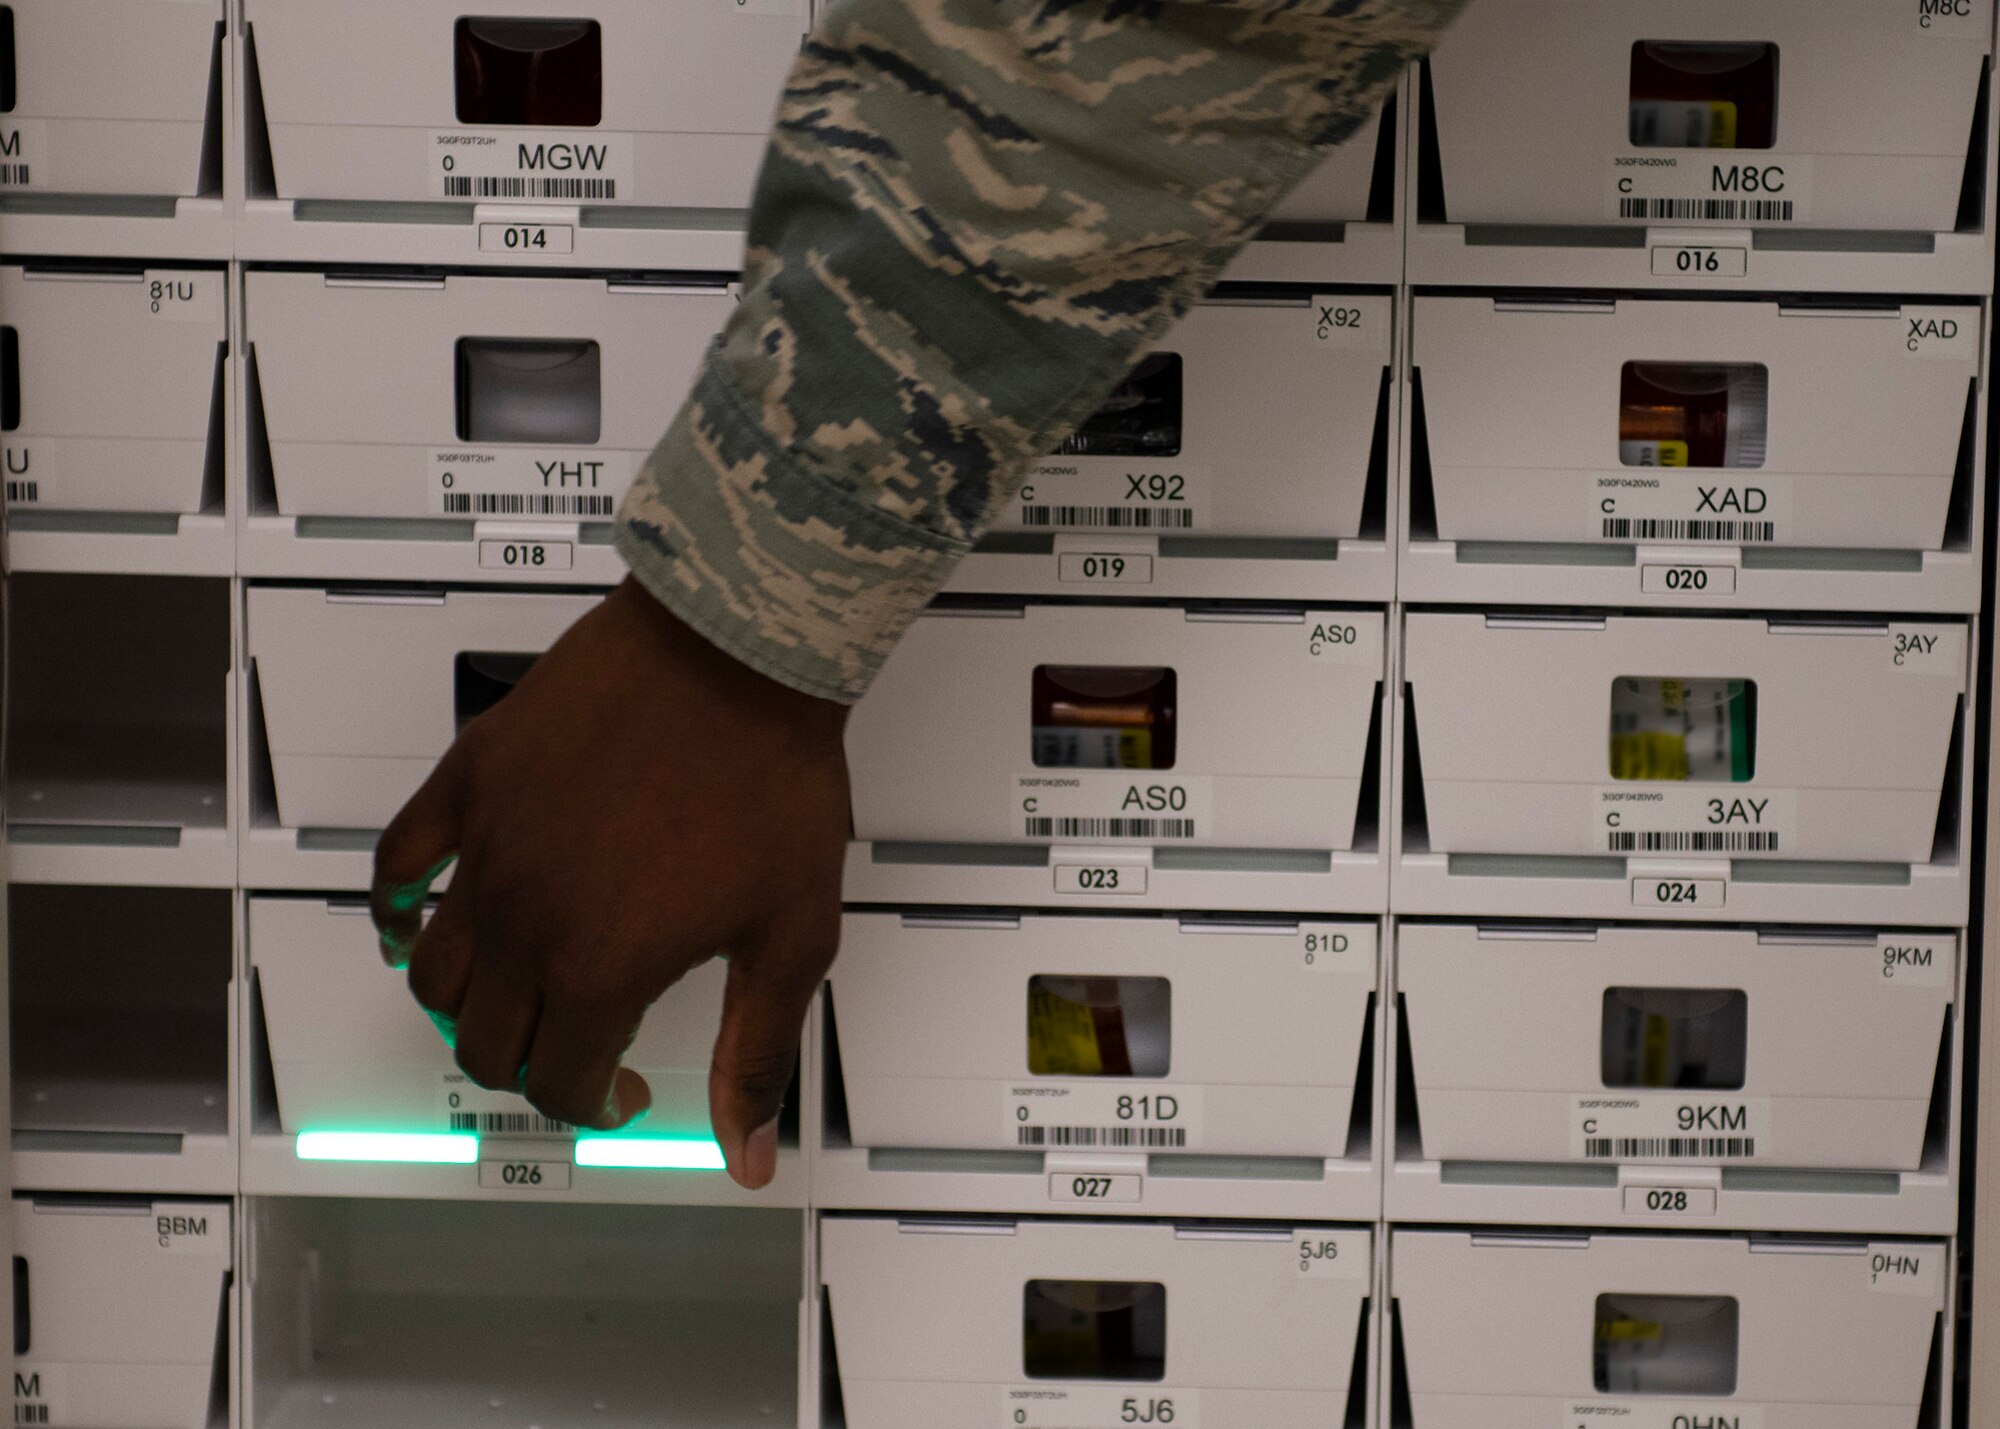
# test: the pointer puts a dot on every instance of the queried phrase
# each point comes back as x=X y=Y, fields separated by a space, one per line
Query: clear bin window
x=1096 y=717
x=1666 y=729
x=1095 y=1329
x=1142 y=416
x=1694 y=414
x=1099 y=1026
x=1666 y=1344
x=522 y=71
x=480 y=680
x=1704 y=96
x=529 y=390
x=1687 y=1039
x=6 y=59
x=10 y=380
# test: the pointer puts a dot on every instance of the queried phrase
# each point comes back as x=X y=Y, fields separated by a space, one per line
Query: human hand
x=640 y=803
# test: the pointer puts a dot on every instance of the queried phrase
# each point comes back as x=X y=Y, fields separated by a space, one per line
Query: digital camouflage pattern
x=974 y=217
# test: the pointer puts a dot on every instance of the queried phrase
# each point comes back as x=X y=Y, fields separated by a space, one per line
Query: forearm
x=973 y=218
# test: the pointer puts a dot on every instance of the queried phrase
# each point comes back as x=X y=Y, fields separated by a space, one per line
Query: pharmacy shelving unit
x=1330 y=1054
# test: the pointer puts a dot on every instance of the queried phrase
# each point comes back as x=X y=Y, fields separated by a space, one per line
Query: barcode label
x=1670 y=1148
x=494 y=503
x=1043 y=828
x=1694 y=841
x=1148 y=1138
x=14 y=176
x=540 y=187
x=1708 y=210
x=509 y=1123
x=1117 y=518
x=1618 y=528
x=24 y=491
x=31 y=1414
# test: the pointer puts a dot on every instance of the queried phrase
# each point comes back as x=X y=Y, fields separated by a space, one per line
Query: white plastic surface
x=1513 y=1062
x=125 y=1312
x=354 y=98
x=361 y=389
x=358 y=687
x=1260 y=1323
x=1499 y=1330
x=122 y=118
x=1875 y=108
x=941 y=748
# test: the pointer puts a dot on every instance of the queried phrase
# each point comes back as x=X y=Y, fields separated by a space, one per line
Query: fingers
x=496 y=1026
x=770 y=988
x=412 y=854
x=573 y=1073
x=441 y=959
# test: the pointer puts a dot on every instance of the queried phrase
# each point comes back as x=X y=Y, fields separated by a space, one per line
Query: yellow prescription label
x=1062 y=1037
x=1721 y=125
x=1655 y=755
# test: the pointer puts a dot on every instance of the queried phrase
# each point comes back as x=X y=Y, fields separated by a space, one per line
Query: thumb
x=771 y=986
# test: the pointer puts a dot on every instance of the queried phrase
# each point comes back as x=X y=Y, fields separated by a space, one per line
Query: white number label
x=1669 y=1201
x=1104 y=1190
x=528 y=240
x=524 y=1175
x=1687 y=580
x=525 y=555
x=1677 y=262
x=1679 y=892
x=1124 y=878
x=1109 y=568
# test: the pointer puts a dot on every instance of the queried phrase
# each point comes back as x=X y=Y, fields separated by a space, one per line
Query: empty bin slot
x=522 y=71
x=1142 y=416
x=1666 y=729
x=1693 y=414
x=1099 y=1026
x=525 y=390
x=118 y=701
x=1666 y=1344
x=1095 y=1329
x=6 y=59
x=1704 y=96
x=120 y=1010
x=487 y=1315
x=1104 y=718
x=1684 y=1038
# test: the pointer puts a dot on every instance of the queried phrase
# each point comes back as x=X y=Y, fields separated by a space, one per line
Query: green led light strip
x=649 y=1153
x=459 y=1148
x=428 y=1148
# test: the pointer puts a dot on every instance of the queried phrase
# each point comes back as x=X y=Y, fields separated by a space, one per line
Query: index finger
x=573 y=1072
x=420 y=843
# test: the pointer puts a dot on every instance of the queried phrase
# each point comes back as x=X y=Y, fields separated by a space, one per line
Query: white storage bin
x=1847 y=115
x=1718 y=424
x=120 y=1016
x=1072 y=1322
x=1638 y=736
x=1258 y=417
x=1504 y=1331
x=1247 y=457
x=1121 y=724
x=1675 y=1046
x=362 y=691
x=350 y=1050
x=114 y=388
x=117 y=97
x=121 y=1313
x=622 y=102
x=464 y=1315
x=119 y=715
x=1057 y=1034
x=466 y=396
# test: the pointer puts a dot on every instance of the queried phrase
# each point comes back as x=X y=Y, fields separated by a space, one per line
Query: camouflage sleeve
x=973 y=218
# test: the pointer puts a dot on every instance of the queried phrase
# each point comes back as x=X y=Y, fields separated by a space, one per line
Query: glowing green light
x=432 y=1148
x=650 y=1153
